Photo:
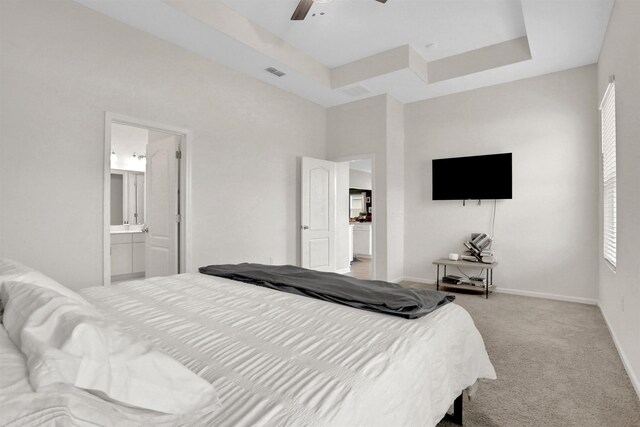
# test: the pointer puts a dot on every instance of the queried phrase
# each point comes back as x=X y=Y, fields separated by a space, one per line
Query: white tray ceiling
x=251 y=35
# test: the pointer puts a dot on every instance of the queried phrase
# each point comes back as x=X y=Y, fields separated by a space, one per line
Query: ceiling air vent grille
x=275 y=71
x=356 y=91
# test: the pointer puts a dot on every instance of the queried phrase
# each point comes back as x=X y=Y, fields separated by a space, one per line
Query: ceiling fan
x=303 y=8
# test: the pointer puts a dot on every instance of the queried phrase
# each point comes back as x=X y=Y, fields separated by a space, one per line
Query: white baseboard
x=545 y=295
x=344 y=271
x=625 y=361
x=398 y=280
x=533 y=294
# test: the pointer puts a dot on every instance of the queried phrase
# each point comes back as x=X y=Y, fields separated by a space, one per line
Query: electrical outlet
x=622 y=303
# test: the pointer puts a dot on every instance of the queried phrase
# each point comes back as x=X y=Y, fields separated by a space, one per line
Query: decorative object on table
x=489 y=257
x=478 y=248
x=454 y=257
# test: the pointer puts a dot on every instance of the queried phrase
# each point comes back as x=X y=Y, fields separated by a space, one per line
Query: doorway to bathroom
x=145 y=201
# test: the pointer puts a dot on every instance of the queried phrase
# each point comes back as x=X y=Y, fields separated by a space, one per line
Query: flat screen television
x=472 y=178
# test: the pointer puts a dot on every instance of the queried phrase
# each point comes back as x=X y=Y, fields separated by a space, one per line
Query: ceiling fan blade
x=382 y=1
x=301 y=11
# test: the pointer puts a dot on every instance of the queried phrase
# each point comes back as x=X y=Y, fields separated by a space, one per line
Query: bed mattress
x=283 y=360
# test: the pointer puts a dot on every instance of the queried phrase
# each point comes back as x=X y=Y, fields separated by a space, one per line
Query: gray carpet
x=556 y=365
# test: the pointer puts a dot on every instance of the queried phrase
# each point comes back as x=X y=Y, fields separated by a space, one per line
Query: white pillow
x=68 y=341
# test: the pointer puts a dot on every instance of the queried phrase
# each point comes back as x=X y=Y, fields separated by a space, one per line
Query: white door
x=161 y=207
x=318 y=212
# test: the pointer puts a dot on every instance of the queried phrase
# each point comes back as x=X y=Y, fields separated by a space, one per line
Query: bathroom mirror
x=127 y=197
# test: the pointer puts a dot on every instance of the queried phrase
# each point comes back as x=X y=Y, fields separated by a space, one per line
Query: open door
x=318 y=213
x=162 y=207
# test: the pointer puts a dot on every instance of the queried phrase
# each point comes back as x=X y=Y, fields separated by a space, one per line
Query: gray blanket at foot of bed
x=373 y=295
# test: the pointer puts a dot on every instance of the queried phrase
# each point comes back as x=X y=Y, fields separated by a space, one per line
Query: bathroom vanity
x=127 y=254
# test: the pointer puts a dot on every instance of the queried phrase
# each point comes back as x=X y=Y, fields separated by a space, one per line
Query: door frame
x=185 y=231
x=371 y=157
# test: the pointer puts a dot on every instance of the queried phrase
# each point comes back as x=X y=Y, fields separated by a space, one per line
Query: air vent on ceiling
x=356 y=91
x=274 y=71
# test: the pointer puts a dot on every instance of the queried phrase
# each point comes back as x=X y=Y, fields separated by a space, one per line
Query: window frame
x=609 y=175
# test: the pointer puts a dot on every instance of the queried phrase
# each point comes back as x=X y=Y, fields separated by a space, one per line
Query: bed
x=279 y=359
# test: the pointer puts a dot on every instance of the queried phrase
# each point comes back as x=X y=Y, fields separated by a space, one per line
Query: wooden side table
x=447 y=262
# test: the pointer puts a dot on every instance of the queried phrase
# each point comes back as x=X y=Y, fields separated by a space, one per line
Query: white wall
x=360 y=179
x=356 y=129
x=395 y=190
x=129 y=163
x=63 y=66
x=620 y=56
x=544 y=237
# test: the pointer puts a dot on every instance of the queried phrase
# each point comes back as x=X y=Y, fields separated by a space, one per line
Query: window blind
x=609 y=196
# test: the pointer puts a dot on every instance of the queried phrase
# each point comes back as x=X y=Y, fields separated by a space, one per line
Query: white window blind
x=608 y=116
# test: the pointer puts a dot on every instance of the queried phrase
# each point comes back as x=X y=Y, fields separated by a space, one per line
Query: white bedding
x=61 y=363
x=60 y=405
x=67 y=341
x=14 y=377
x=282 y=359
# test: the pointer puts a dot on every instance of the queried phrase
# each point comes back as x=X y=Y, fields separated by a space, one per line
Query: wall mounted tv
x=472 y=178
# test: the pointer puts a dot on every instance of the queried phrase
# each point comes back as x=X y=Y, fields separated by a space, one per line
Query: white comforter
x=276 y=359
x=282 y=359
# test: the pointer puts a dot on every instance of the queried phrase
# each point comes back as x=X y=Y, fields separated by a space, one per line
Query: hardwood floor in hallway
x=361 y=269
